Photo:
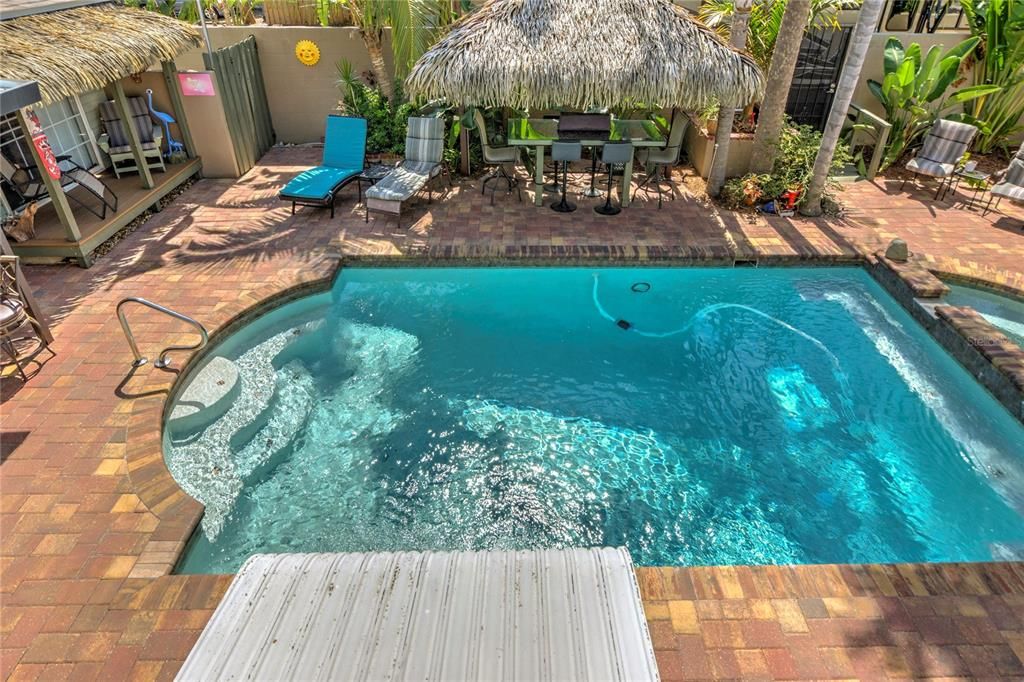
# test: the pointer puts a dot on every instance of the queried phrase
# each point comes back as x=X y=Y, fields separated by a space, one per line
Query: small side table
x=977 y=182
x=371 y=175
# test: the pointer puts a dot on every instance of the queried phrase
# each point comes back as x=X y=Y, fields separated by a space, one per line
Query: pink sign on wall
x=196 y=84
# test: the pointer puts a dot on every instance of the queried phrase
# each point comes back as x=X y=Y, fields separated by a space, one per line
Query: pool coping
x=997 y=365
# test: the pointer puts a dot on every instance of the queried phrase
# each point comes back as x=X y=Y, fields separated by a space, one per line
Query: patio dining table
x=541 y=132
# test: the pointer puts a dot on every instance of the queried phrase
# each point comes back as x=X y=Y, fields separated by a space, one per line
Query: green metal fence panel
x=245 y=100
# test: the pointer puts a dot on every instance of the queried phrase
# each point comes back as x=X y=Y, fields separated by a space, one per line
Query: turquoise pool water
x=696 y=416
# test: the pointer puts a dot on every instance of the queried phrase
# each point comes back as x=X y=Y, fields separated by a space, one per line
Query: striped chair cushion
x=112 y=123
x=944 y=144
x=424 y=139
x=931 y=168
x=1009 y=191
x=1015 y=173
x=404 y=181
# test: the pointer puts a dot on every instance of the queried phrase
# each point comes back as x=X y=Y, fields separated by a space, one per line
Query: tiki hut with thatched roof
x=541 y=54
x=72 y=52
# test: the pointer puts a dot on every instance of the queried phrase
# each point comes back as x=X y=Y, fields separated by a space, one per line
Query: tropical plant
x=999 y=25
x=791 y=172
x=914 y=89
x=765 y=22
x=860 y=41
x=386 y=117
x=415 y=26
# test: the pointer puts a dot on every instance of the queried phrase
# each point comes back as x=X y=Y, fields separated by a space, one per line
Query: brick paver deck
x=91 y=521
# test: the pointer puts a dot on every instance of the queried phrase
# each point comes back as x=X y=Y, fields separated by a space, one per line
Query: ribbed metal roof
x=538 y=615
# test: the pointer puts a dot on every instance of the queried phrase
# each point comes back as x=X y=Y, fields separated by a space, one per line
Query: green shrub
x=385 y=120
x=913 y=91
x=792 y=170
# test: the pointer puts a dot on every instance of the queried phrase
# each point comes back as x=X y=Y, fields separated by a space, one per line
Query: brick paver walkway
x=91 y=521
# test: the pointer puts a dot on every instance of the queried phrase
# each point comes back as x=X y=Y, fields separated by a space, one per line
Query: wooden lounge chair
x=944 y=146
x=343 y=160
x=424 y=147
x=115 y=141
x=28 y=185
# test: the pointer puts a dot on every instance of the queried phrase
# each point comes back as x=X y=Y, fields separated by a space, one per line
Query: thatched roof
x=85 y=48
x=580 y=53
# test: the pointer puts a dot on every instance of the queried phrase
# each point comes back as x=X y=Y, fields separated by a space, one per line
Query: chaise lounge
x=424 y=147
x=343 y=160
x=1011 y=182
x=28 y=185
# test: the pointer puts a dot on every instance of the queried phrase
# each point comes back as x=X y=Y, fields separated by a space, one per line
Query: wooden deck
x=51 y=243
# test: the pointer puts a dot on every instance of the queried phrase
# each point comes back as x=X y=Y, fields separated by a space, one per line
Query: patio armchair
x=27 y=184
x=343 y=160
x=1010 y=183
x=497 y=158
x=657 y=162
x=944 y=146
x=14 y=315
x=424 y=148
x=117 y=145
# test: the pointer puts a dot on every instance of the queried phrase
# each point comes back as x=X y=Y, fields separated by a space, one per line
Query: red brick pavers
x=91 y=521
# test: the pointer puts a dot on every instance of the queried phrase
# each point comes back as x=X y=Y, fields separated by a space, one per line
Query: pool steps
x=206 y=462
x=207 y=397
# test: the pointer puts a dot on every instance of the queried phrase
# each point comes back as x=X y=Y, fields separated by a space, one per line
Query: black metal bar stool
x=565 y=153
x=611 y=154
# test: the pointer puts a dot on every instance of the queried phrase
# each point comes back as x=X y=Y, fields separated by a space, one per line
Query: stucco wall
x=300 y=97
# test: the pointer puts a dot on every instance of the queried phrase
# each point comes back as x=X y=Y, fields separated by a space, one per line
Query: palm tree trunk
x=859 y=43
x=371 y=38
x=727 y=110
x=780 y=78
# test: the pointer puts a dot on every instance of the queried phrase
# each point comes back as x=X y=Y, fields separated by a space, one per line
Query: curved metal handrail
x=162 y=360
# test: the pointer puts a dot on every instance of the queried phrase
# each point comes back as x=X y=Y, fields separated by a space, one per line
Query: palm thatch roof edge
x=581 y=53
x=85 y=48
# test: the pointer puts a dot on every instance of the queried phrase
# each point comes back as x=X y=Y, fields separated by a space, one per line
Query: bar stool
x=565 y=153
x=611 y=154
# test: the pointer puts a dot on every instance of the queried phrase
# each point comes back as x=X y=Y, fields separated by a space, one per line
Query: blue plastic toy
x=172 y=144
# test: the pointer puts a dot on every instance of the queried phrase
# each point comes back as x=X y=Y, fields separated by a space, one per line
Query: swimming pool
x=696 y=416
x=1002 y=311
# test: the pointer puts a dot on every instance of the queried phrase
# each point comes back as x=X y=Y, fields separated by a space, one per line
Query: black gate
x=817 y=75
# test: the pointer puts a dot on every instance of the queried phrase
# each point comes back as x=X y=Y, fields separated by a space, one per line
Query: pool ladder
x=162 y=359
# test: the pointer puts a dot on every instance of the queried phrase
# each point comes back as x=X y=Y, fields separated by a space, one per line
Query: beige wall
x=209 y=127
x=300 y=97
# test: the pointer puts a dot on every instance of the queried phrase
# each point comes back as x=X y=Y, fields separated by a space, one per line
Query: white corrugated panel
x=540 y=615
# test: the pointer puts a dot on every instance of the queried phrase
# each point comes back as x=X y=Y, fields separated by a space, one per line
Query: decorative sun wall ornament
x=307 y=52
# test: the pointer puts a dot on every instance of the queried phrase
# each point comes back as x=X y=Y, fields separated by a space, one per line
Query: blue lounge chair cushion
x=344 y=155
x=345 y=142
x=318 y=183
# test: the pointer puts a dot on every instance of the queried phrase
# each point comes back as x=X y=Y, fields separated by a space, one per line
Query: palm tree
x=727 y=110
x=780 y=77
x=859 y=43
x=415 y=26
x=765 y=22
